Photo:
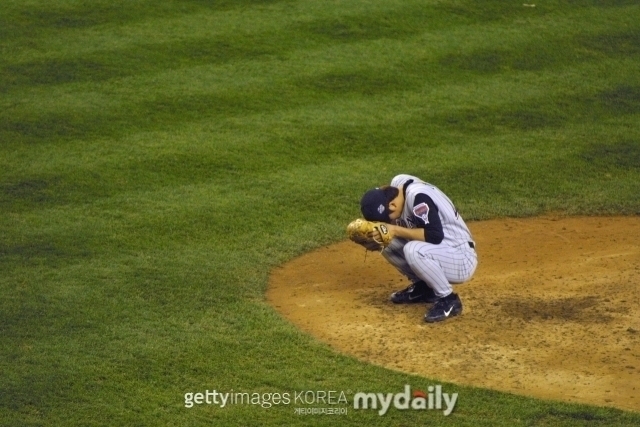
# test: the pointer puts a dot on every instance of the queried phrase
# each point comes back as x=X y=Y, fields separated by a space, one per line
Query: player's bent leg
x=418 y=291
x=440 y=265
x=427 y=267
x=457 y=263
x=394 y=254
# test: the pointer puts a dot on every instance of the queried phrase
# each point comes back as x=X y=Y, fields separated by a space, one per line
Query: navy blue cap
x=374 y=206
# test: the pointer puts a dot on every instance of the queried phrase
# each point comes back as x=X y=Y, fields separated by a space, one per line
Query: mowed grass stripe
x=78 y=185
x=344 y=22
x=513 y=105
x=211 y=37
x=440 y=104
x=22 y=20
x=181 y=47
x=149 y=115
x=423 y=60
x=220 y=157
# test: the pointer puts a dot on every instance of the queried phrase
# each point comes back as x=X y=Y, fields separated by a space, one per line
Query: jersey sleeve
x=425 y=215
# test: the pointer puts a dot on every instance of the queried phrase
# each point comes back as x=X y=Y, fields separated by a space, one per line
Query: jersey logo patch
x=422 y=211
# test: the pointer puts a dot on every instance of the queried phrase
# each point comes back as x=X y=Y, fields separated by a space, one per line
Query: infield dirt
x=553 y=310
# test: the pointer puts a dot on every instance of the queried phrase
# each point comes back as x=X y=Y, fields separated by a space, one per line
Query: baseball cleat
x=448 y=306
x=416 y=292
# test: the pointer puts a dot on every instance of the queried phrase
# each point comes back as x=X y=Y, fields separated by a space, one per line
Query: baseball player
x=430 y=242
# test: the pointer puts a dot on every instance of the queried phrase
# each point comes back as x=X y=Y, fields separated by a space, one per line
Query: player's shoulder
x=417 y=186
x=400 y=180
x=420 y=187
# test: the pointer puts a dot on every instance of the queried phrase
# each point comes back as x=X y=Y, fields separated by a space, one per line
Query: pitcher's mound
x=553 y=310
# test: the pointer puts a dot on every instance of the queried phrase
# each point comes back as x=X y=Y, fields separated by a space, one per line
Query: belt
x=472 y=245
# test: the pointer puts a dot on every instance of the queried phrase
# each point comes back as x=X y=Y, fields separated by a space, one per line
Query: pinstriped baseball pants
x=437 y=265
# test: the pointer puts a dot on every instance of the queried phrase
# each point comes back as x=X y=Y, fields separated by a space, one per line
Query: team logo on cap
x=380 y=209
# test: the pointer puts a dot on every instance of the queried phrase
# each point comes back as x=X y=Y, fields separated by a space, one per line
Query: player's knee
x=411 y=250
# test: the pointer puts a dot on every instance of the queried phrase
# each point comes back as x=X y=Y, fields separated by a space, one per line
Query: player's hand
x=375 y=234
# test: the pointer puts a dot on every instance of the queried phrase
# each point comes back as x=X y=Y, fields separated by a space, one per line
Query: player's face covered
x=376 y=204
x=395 y=207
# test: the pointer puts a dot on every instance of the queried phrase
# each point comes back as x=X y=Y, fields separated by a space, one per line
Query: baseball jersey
x=426 y=207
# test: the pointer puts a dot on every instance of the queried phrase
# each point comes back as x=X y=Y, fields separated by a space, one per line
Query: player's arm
x=427 y=220
x=407 y=233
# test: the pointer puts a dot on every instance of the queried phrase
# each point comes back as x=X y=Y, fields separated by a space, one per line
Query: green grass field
x=159 y=158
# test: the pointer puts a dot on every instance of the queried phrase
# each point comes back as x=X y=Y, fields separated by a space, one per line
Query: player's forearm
x=408 y=233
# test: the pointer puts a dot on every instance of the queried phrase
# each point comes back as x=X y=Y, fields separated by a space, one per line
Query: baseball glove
x=360 y=231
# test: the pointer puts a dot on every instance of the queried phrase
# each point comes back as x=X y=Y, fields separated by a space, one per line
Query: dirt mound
x=553 y=310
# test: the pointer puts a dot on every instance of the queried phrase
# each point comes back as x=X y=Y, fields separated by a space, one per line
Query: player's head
x=375 y=203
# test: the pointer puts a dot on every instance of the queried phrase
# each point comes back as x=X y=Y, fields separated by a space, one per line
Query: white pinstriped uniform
x=438 y=265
